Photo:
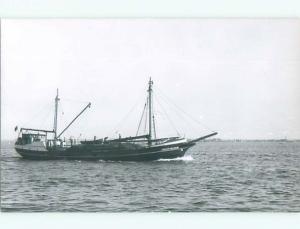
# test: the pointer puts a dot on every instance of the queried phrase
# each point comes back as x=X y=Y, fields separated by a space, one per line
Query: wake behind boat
x=38 y=144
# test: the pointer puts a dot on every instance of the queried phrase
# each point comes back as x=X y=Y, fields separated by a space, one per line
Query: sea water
x=221 y=176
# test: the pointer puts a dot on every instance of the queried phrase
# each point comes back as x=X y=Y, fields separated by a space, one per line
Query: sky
x=239 y=77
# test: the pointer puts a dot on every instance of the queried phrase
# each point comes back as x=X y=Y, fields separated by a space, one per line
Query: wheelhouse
x=28 y=136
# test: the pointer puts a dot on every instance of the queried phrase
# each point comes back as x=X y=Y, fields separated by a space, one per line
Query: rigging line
x=45 y=119
x=168 y=118
x=60 y=111
x=42 y=108
x=63 y=114
x=141 y=119
x=184 y=118
x=191 y=117
x=146 y=117
x=153 y=120
x=47 y=122
x=154 y=126
x=76 y=101
x=118 y=126
x=61 y=108
x=40 y=121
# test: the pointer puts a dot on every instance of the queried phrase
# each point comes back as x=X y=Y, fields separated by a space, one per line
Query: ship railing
x=62 y=143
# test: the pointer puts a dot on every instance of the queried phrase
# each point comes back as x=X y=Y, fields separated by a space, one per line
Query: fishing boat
x=39 y=144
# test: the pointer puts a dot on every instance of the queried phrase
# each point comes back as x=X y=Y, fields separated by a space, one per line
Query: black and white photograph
x=150 y=115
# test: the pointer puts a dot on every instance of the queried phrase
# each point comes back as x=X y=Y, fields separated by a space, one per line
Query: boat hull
x=101 y=153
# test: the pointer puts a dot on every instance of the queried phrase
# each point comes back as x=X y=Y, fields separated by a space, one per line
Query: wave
x=184 y=158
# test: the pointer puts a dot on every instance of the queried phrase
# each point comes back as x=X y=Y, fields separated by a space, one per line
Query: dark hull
x=98 y=152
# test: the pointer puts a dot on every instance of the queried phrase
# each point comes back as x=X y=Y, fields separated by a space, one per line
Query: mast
x=55 y=114
x=154 y=127
x=150 y=110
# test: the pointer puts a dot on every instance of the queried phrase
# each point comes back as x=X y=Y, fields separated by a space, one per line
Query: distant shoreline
x=253 y=140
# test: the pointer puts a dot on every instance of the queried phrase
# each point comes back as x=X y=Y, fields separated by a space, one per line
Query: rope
x=153 y=120
x=182 y=117
x=146 y=119
x=168 y=118
x=141 y=119
x=75 y=101
x=154 y=127
x=121 y=122
x=167 y=99
x=34 y=117
x=45 y=120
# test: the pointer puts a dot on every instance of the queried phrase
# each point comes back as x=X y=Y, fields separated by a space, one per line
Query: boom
x=87 y=106
x=204 y=137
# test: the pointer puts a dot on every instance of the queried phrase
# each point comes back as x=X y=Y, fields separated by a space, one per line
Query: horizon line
x=225 y=139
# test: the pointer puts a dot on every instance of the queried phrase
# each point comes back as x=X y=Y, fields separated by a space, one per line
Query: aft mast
x=55 y=114
x=150 y=110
